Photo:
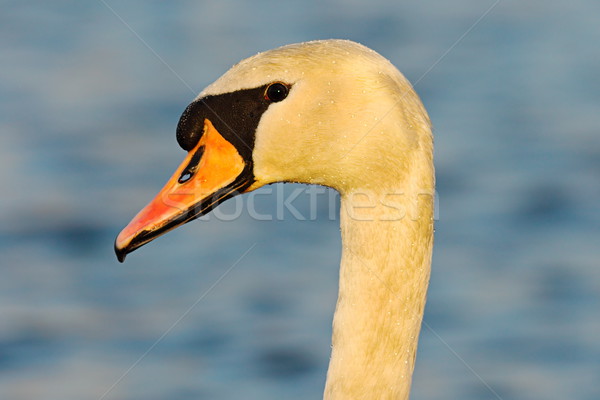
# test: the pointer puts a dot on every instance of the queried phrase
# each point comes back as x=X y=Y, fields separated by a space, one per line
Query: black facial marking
x=235 y=115
x=191 y=168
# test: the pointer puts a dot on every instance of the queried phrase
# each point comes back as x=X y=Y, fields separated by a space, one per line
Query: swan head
x=330 y=112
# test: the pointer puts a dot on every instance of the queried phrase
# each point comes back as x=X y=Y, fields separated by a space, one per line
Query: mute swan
x=338 y=114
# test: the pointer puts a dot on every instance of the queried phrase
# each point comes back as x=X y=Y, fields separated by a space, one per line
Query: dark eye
x=276 y=92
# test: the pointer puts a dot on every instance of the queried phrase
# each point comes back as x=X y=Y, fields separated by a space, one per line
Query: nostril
x=185 y=176
x=191 y=168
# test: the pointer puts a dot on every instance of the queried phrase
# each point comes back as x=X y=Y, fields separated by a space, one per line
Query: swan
x=338 y=114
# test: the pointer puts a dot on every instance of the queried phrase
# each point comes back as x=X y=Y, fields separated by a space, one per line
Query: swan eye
x=276 y=92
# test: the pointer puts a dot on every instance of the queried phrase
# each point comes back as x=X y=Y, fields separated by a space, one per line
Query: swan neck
x=384 y=273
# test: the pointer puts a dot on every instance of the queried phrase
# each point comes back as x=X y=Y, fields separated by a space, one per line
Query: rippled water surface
x=90 y=94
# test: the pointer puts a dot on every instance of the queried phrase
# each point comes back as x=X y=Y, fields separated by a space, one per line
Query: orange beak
x=212 y=172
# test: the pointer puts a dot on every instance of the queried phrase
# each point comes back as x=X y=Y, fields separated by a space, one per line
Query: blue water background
x=89 y=101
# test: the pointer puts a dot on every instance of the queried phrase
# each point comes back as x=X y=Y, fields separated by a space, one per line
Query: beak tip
x=120 y=252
